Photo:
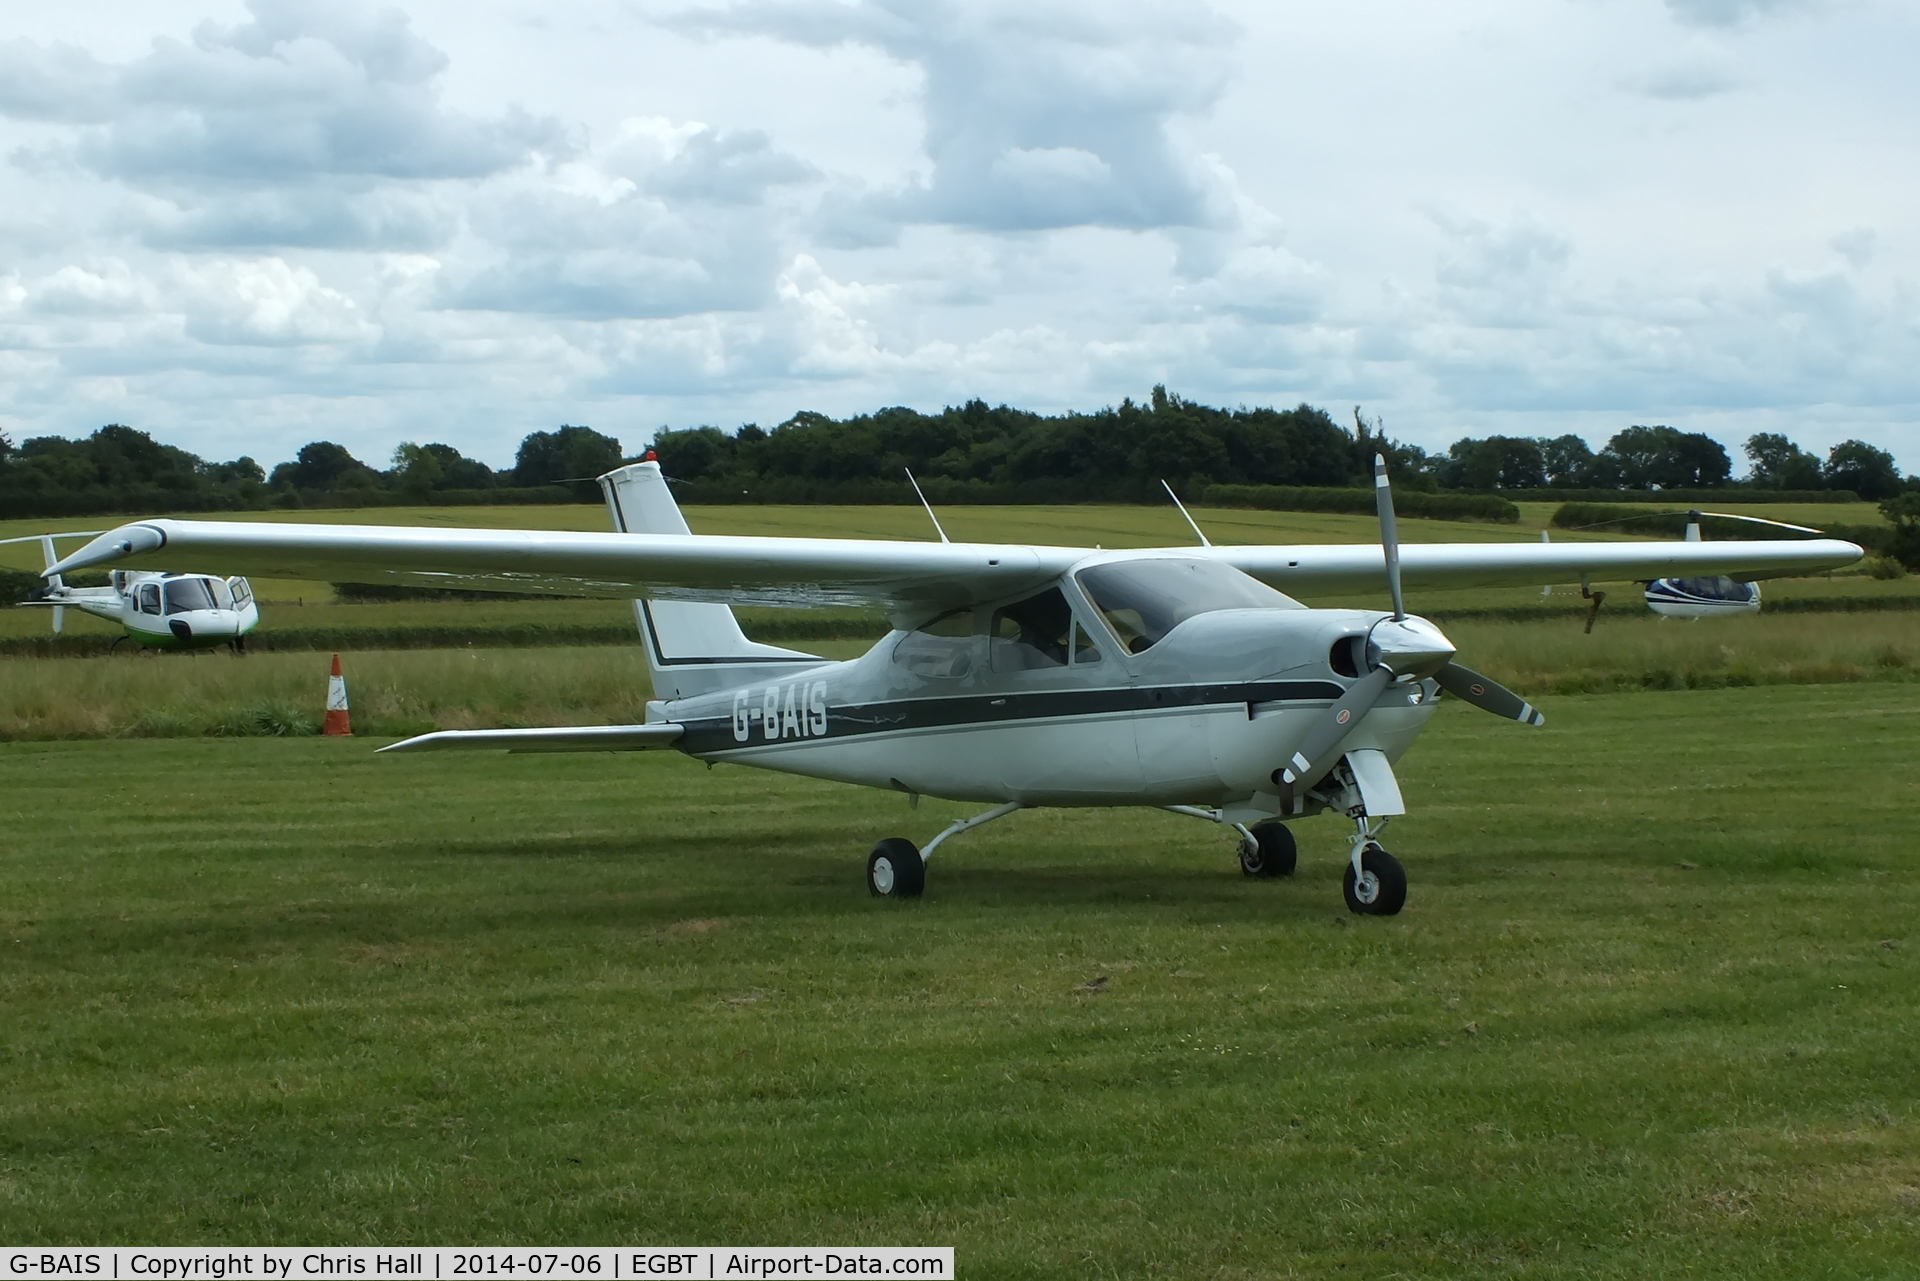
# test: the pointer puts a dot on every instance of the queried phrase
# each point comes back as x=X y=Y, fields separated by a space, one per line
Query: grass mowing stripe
x=1638 y=1018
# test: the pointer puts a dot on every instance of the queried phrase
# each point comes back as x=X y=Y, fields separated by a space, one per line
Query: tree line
x=1649 y=458
x=973 y=452
x=120 y=469
x=1122 y=453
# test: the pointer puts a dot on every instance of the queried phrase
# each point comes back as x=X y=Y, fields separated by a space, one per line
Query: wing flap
x=560 y=738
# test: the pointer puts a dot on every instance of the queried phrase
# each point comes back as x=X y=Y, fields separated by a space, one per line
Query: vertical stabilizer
x=692 y=648
x=54 y=580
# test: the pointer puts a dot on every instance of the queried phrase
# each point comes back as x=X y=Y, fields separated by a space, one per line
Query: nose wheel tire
x=895 y=869
x=1272 y=851
x=1381 y=887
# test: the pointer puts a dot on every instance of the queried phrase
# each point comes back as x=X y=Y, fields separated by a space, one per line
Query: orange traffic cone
x=337 y=721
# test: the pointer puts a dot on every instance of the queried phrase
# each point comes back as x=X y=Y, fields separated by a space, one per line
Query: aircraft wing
x=1305 y=570
x=560 y=738
x=910 y=580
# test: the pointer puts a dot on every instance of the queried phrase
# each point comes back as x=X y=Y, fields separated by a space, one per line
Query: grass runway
x=1650 y=1011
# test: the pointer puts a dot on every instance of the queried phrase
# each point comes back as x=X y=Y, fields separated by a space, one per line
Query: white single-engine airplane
x=156 y=610
x=1184 y=679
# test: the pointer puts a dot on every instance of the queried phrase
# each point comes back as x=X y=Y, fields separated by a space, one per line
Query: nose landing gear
x=1375 y=883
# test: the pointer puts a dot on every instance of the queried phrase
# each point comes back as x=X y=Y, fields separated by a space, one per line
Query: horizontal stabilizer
x=560 y=738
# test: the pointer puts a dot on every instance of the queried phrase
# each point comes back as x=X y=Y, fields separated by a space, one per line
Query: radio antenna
x=924 y=503
x=1183 y=511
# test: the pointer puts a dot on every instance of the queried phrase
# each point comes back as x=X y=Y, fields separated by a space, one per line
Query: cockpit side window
x=1031 y=633
x=149 y=596
x=185 y=595
x=939 y=650
x=1084 y=650
x=1143 y=600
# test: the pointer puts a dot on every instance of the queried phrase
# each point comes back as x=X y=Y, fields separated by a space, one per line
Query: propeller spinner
x=1400 y=648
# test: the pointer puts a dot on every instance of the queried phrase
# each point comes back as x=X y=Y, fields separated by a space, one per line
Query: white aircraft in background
x=1699 y=595
x=1710 y=596
x=1185 y=679
x=156 y=610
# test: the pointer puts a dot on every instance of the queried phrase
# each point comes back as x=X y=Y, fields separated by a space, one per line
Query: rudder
x=692 y=647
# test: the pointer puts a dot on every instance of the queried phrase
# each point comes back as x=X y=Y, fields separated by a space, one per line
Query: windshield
x=185 y=595
x=1145 y=599
x=1715 y=588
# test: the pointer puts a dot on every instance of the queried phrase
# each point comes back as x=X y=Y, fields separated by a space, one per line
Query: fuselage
x=167 y=611
x=1702 y=597
x=1051 y=700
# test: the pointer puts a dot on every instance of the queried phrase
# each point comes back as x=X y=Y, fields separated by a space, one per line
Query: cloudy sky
x=246 y=224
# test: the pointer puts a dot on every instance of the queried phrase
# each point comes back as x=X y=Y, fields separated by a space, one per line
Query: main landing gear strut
x=897 y=869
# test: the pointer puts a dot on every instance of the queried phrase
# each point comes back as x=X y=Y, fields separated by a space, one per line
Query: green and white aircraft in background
x=157 y=610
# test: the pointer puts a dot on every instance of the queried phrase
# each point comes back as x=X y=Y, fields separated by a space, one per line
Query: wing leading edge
x=910 y=580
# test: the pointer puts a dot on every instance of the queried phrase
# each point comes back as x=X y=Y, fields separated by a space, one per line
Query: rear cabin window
x=184 y=595
x=1031 y=633
x=1143 y=600
x=939 y=650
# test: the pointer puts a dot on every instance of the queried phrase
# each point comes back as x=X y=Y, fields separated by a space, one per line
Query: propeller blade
x=1489 y=696
x=1389 y=533
x=1315 y=754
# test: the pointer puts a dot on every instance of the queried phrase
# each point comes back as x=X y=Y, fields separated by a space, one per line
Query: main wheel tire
x=895 y=869
x=1381 y=887
x=1272 y=851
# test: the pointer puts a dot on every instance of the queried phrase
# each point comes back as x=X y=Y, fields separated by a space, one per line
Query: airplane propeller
x=1401 y=648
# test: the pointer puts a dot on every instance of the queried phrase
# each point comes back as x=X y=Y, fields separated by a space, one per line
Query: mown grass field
x=1650 y=1010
